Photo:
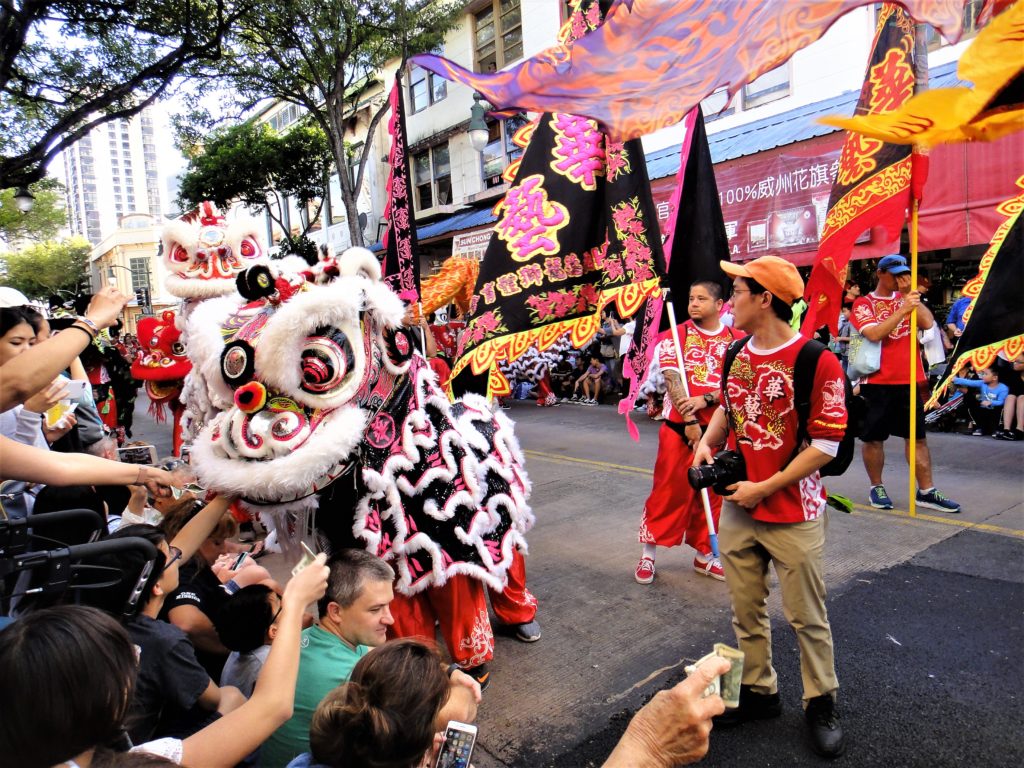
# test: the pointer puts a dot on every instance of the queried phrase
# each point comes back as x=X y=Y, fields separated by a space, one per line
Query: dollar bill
x=307 y=557
x=730 y=681
x=714 y=688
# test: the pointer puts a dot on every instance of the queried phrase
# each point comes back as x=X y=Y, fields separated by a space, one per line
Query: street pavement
x=926 y=611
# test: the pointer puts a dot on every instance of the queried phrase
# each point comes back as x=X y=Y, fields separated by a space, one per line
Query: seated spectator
x=200 y=594
x=247 y=625
x=388 y=712
x=592 y=380
x=1012 y=375
x=174 y=695
x=354 y=617
x=987 y=406
x=67 y=675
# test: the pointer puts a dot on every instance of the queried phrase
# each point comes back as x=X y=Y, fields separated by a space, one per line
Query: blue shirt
x=956 y=312
x=995 y=395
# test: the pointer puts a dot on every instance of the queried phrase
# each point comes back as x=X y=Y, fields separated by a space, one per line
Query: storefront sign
x=472 y=244
x=773 y=202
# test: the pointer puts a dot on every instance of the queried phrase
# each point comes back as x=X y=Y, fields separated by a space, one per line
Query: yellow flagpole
x=912 y=443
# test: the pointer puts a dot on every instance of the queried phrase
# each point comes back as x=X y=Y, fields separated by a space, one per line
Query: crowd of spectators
x=151 y=637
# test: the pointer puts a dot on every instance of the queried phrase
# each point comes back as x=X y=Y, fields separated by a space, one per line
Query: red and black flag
x=576 y=231
x=995 y=317
x=872 y=187
x=697 y=242
x=401 y=265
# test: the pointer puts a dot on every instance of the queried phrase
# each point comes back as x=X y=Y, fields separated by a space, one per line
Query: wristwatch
x=709 y=398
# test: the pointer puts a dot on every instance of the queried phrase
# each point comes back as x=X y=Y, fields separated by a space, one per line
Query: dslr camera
x=726 y=469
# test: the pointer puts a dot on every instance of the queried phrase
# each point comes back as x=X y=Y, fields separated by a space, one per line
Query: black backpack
x=803 y=384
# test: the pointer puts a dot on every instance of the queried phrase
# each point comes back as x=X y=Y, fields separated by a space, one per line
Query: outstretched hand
x=674 y=727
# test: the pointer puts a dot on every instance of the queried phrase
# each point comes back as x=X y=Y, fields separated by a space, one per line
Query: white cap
x=9 y=297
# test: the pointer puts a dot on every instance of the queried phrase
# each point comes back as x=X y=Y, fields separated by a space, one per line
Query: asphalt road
x=926 y=612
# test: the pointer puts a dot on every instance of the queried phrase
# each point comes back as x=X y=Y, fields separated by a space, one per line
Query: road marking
x=898 y=513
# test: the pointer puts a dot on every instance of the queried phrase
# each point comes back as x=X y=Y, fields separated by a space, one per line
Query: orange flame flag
x=873 y=182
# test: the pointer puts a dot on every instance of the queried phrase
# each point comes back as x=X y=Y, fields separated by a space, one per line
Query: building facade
x=110 y=173
x=128 y=258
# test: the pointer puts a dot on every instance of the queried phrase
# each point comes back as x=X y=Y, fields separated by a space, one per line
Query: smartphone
x=76 y=388
x=137 y=454
x=239 y=560
x=457 y=748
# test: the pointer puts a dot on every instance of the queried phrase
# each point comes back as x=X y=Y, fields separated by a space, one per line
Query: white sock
x=926 y=490
x=649 y=550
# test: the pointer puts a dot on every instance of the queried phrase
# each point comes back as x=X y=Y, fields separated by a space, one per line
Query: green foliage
x=325 y=56
x=47 y=268
x=250 y=163
x=43 y=222
x=298 y=245
x=66 y=67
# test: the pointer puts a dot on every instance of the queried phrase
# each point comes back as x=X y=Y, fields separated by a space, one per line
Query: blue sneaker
x=879 y=498
x=935 y=500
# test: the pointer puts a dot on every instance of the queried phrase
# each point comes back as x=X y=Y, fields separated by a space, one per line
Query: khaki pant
x=796 y=549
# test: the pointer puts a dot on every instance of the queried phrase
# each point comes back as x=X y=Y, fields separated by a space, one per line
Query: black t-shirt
x=200 y=588
x=169 y=683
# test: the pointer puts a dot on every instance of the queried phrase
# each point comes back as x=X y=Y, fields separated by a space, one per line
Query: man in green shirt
x=354 y=617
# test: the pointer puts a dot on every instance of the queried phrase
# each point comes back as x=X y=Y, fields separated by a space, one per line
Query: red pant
x=460 y=606
x=674 y=512
x=515 y=604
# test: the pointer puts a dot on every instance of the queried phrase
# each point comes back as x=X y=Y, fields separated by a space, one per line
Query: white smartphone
x=457 y=748
x=137 y=454
x=76 y=388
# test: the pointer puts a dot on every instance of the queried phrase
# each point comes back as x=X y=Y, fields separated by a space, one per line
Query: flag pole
x=712 y=534
x=914 y=362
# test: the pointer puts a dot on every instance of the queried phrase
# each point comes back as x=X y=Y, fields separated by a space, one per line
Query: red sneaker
x=645 y=571
x=709 y=565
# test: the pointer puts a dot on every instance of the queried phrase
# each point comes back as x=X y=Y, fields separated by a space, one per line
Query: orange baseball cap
x=777 y=275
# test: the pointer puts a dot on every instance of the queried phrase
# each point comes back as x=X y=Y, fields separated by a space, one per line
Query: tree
x=47 y=268
x=67 y=67
x=253 y=164
x=43 y=222
x=321 y=55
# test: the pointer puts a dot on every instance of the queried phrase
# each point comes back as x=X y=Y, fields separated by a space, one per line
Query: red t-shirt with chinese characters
x=764 y=420
x=703 y=355
x=895 y=365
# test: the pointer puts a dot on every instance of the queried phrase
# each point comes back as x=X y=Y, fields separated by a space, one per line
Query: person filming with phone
x=774 y=508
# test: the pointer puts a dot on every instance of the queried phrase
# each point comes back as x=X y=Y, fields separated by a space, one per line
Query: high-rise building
x=110 y=173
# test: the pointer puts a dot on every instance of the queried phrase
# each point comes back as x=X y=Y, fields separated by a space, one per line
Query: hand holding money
x=726 y=685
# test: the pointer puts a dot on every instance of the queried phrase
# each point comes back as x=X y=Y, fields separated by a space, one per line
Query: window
x=770 y=86
x=499 y=35
x=713 y=105
x=425 y=88
x=970 y=18
x=500 y=151
x=140 y=272
x=432 y=175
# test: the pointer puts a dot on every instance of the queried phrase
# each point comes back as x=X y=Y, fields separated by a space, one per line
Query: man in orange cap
x=777 y=514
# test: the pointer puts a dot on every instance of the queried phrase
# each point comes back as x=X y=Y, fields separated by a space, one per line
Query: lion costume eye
x=326 y=361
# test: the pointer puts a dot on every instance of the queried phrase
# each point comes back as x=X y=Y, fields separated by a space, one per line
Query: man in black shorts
x=884 y=315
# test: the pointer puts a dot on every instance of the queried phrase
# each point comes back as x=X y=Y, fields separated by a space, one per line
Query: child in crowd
x=246 y=625
x=986 y=408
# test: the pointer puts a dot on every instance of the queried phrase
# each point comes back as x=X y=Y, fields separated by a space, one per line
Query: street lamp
x=479 y=133
x=24 y=199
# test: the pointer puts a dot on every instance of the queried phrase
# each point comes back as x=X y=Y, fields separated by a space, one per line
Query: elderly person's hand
x=672 y=728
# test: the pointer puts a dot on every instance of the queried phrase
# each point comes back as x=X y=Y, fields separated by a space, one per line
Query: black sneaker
x=823 y=722
x=753 y=706
x=481 y=674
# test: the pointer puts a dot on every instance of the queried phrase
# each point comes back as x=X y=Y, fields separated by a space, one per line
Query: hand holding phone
x=457 y=749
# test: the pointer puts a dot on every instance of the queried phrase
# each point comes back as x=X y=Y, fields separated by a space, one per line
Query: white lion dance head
x=324 y=404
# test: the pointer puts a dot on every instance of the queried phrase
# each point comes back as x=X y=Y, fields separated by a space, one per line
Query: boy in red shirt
x=674 y=512
x=777 y=515
x=884 y=315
